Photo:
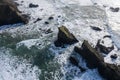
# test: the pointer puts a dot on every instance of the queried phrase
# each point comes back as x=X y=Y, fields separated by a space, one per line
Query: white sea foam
x=77 y=16
x=12 y=68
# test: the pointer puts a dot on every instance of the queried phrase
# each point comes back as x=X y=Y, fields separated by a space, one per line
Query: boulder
x=107 y=36
x=51 y=18
x=95 y=60
x=31 y=5
x=103 y=48
x=9 y=13
x=96 y=28
x=114 y=9
x=114 y=56
x=65 y=37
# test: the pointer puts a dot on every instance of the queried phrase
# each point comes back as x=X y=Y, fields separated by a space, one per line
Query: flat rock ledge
x=95 y=60
x=9 y=13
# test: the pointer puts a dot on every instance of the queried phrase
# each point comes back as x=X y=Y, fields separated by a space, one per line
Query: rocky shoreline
x=91 y=55
x=84 y=32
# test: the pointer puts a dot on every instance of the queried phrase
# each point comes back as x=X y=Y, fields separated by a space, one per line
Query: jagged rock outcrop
x=65 y=37
x=92 y=57
x=95 y=60
x=9 y=13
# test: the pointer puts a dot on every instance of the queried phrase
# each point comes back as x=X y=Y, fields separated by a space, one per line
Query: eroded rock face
x=65 y=37
x=92 y=57
x=95 y=60
x=109 y=71
x=9 y=14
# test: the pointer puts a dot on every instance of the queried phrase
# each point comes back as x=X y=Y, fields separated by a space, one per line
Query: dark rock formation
x=109 y=71
x=51 y=18
x=38 y=19
x=65 y=37
x=46 y=22
x=103 y=48
x=31 y=5
x=9 y=13
x=76 y=63
x=114 y=56
x=107 y=36
x=96 y=28
x=114 y=9
x=48 y=31
x=95 y=60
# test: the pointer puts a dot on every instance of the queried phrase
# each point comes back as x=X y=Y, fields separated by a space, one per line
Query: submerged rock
x=9 y=13
x=48 y=31
x=114 y=9
x=107 y=36
x=114 y=56
x=51 y=18
x=96 y=28
x=38 y=19
x=46 y=22
x=31 y=5
x=95 y=60
x=65 y=37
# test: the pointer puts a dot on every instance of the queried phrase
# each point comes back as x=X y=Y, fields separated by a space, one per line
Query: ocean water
x=27 y=52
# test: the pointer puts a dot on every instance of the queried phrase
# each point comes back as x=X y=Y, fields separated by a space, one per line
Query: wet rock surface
x=96 y=28
x=31 y=5
x=107 y=36
x=9 y=13
x=38 y=19
x=114 y=9
x=114 y=56
x=65 y=37
x=102 y=48
x=95 y=60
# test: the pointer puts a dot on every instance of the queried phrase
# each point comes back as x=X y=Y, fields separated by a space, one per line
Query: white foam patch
x=79 y=2
x=107 y=42
x=107 y=2
x=89 y=75
x=11 y=68
x=113 y=17
x=42 y=11
x=78 y=25
x=29 y=43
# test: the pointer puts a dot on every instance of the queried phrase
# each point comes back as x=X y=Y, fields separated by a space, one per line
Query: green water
x=43 y=58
